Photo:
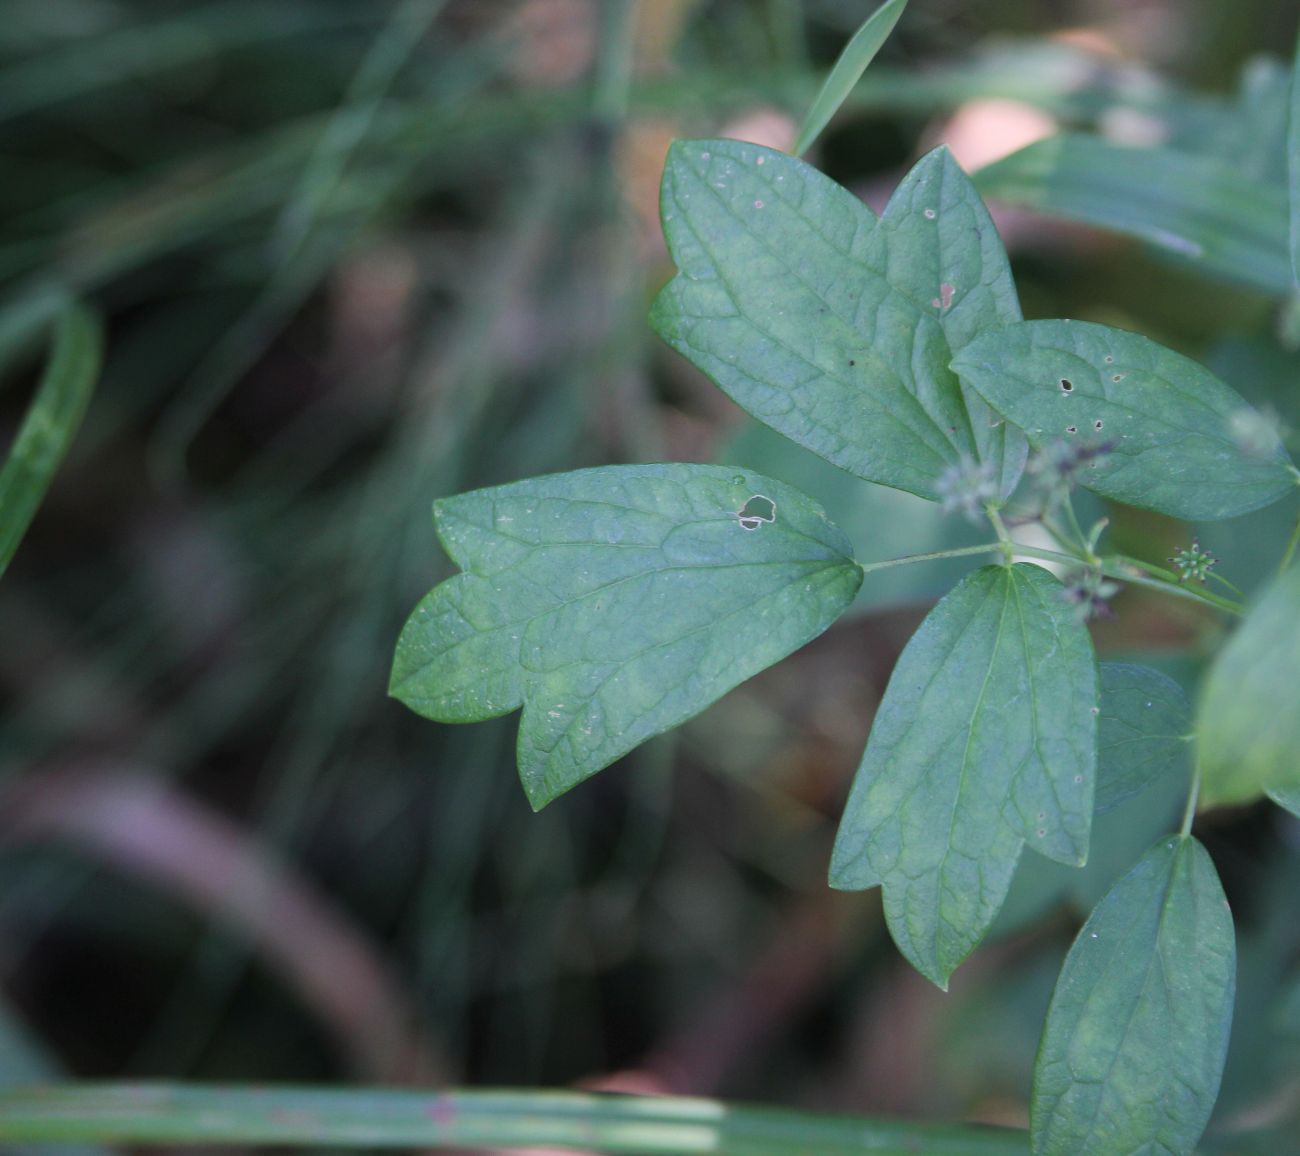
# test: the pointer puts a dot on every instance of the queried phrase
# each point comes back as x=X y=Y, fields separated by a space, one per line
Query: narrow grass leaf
x=1204 y=210
x=1150 y=427
x=613 y=604
x=1135 y=1038
x=777 y=302
x=1248 y=728
x=1293 y=167
x=50 y=424
x=516 y=1119
x=985 y=740
x=852 y=63
x=1142 y=734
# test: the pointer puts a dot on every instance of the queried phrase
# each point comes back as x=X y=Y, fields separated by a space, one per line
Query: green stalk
x=934 y=556
x=144 y=1114
x=1193 y=795
x=49 y=425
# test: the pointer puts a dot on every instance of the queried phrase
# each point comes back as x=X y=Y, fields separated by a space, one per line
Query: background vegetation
x=353 y=257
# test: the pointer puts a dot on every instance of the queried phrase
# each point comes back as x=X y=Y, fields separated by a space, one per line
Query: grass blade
x=853 y=61
x=1293 y=165
x=648 y=1125
x=50 y=424
x=1201 y=209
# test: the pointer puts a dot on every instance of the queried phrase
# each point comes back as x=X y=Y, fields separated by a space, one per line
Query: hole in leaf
x=756 y=511
x=1067 y=386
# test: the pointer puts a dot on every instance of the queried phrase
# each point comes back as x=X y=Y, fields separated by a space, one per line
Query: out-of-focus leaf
x=985 y=740
x=777 y=302
x=1293 y=167
x=1142 y=734
x=1133 y=1047
x=852 y=63
x=1204 y=209
x=613 y=604
x=1248 y=728
x=1160 y=431
x=1287 y=797
x=50 y=424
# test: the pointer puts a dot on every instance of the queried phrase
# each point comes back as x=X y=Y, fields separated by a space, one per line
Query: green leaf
x=1118 y=839
x=937 y=244
x=1293 y=168
x=1135 y=1038
x=777 y=302
x=880 y=521
x=848 y=70
x=1142 y=734
x=1169 y=427
x=985 y=740
x=615 y=603
x=50 y=424
x=1287 y=798
x=1208 y=211
x=1248 y=728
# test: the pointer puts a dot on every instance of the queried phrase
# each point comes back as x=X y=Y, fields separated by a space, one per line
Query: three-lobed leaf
x=1143 y=732
x=1248 y=728
x=779 y=301
x=613 y=604
x=1133 y=1047
x=1154 y=428
x=985 y=740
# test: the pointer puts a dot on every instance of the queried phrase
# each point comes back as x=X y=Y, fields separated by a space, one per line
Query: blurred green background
x=356 y=256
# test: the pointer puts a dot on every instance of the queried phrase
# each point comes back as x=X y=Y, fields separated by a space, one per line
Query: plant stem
x=143 y=1114
x=1121 y=566
x=1189 y=813
x=908 y=559
x=1113 y=566
x=1291 y=545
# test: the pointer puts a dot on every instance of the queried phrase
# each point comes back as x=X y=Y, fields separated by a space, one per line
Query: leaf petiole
x=908 y=559
x=1193 y=794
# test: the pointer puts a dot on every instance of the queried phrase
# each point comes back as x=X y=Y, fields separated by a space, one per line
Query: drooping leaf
x=1170 y=430
x=613 y=604
x=852 y=63
x=1248 y=728
x=1143 y=731
x=1206 y=210
x=985 y=740
x=937 y=244
x=1136 y=1035
x=49 y=425
x=777 y=303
